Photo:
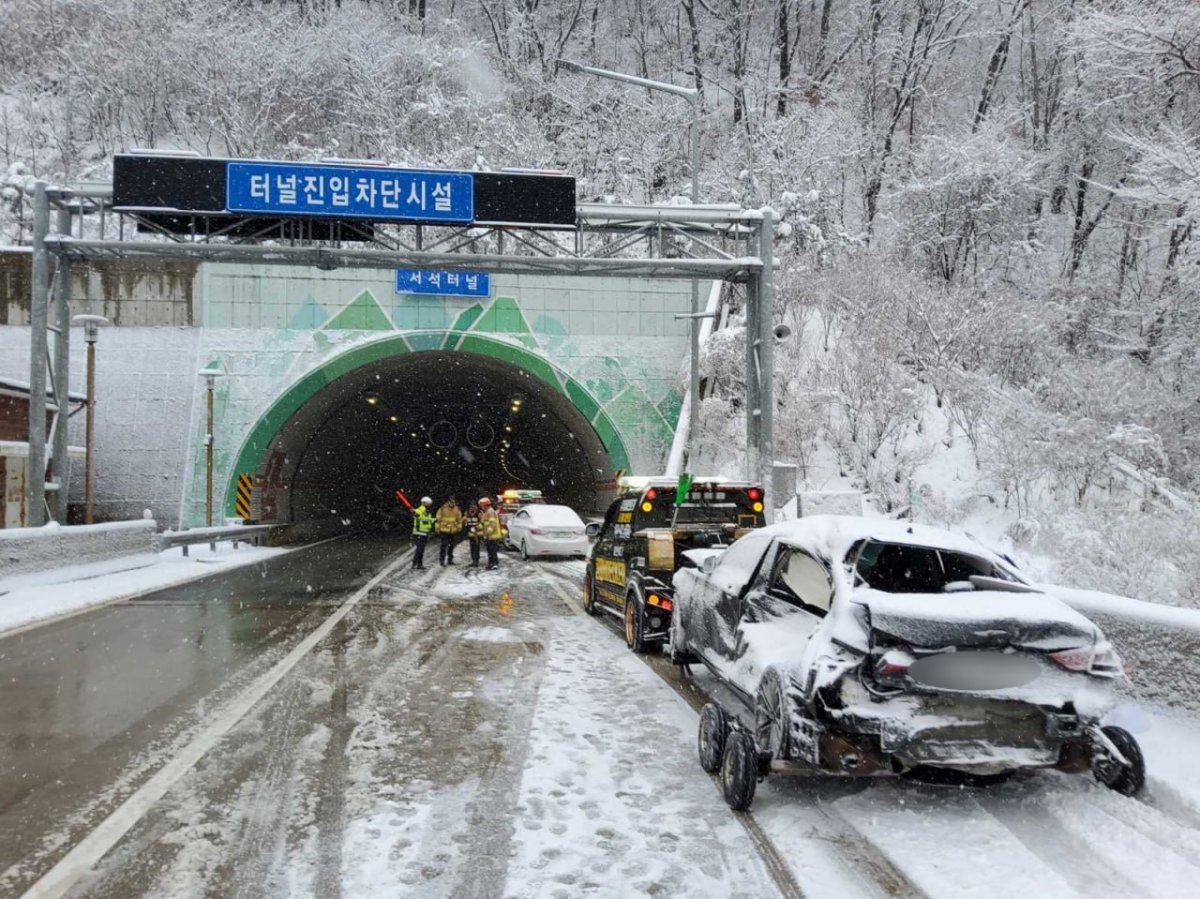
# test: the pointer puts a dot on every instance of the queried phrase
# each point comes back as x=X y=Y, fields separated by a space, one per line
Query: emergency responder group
x=481 y=523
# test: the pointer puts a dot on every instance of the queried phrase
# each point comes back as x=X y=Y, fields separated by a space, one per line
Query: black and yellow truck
x=644 y=539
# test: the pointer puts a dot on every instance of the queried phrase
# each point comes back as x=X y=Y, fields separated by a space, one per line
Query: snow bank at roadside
x=1094 y=602
x=50 y=599
x=34 y=556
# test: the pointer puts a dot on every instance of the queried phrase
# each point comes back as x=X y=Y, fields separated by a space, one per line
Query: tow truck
x=646 y=536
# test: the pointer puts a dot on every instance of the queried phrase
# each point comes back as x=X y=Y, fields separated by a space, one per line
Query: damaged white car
x=864 y=647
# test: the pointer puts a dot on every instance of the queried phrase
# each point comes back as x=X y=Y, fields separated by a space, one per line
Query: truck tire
x=739 y=771
x=634 y=627
x=589 y=594
x=710 y=742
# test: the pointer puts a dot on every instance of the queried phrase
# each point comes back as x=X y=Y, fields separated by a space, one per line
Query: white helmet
x=426 y=501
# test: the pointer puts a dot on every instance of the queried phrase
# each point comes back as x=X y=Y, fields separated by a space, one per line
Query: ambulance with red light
x=647 y=535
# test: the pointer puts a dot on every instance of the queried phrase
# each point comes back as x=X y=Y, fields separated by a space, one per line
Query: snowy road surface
x=459 y=733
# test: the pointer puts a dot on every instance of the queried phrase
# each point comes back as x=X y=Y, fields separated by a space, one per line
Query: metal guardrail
x=239 y=533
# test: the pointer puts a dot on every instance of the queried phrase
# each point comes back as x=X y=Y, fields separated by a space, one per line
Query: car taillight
x=1078 y=659
x=651 y=494
x=660 y=602
x=535 y=531
x=893 y=665
x=1102 y=661
x=754 y=494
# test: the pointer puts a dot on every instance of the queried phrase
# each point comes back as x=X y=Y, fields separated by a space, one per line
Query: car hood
x=1035 y=621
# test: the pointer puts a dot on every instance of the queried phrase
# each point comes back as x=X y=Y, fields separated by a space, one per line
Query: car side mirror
x=592 y=530
x=710 y=565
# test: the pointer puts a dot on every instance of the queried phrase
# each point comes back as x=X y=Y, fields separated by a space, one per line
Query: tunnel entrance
x=437 y=423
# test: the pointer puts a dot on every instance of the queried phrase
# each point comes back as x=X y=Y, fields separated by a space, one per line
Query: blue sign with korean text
x=350 y=192
x=446 y=284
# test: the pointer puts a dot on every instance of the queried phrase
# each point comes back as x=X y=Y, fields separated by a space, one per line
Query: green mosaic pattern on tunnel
x=612 y=346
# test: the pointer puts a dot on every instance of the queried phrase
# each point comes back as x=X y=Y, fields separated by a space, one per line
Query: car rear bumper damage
x=971 y=735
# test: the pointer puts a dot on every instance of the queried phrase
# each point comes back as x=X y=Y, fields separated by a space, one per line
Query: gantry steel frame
x=673 y=242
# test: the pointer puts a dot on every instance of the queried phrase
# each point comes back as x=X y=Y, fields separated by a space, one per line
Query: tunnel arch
x=336 y=410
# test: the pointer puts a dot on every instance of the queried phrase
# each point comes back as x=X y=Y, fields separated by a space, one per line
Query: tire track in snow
x=1023 y=813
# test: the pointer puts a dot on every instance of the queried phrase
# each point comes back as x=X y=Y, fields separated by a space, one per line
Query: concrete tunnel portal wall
x=300 y=349
x=466 y=422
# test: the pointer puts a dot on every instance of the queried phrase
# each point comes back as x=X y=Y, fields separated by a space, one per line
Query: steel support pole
x=694 y=383
x=35 y=473
x=90 y=439
x=208 y=452
x=753 y=367
x=62 y=373
x=766 y=359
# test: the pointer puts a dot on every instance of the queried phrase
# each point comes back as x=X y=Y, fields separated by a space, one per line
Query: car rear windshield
x=718 y=507
x=904 y=568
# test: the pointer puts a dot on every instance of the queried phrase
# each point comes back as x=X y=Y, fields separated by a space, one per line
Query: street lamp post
x=692 y=95
x=91 y=327
x=210 y=376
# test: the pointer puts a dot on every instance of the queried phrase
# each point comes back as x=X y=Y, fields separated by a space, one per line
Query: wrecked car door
x=791 y=596
x=720 y=596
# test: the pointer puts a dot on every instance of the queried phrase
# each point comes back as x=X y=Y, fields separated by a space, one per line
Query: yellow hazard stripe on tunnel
x=244 y=488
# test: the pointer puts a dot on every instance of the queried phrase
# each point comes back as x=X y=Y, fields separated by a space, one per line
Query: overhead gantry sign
x=189 y=195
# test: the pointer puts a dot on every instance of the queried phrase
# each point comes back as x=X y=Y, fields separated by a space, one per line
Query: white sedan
x=543 y=530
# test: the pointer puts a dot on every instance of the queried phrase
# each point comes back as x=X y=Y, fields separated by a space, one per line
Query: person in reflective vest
x=449 y=523
x=471 y=525
x=422 y=528
x=490 y=531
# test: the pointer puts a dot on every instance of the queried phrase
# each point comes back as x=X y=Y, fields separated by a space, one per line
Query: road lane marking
x=84 y=855
x=563 y=595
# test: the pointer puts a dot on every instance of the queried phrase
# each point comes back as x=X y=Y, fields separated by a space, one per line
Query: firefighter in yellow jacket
x=449 y=523
x=422 y=528
x=490 y=531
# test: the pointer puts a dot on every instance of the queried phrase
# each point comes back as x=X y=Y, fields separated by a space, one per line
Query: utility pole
x=692 y=95
x=91 y=326
x=35 y=473
x=210 y=376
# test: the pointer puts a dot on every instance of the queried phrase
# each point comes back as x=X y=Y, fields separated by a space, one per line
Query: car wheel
x=710 y=741
x=589 y=594
x=1127 y=780
x=524 y=551
x=633 y=625
x=739 y=771
x=772 y=716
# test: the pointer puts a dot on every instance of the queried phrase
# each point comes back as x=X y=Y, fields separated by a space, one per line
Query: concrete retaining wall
x=1160 y=645
x=54 y=555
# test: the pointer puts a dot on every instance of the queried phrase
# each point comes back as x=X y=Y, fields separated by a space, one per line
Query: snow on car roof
x=832 y=536
x=560 y=515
